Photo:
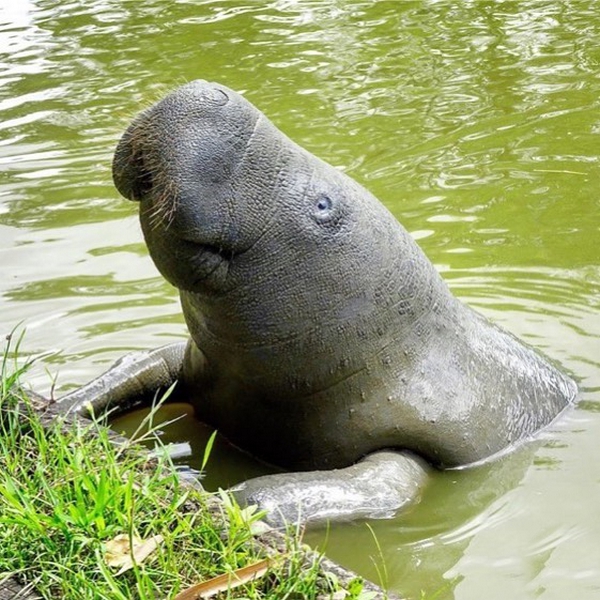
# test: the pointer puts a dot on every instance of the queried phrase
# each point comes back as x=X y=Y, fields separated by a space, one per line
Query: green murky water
x=477 y=123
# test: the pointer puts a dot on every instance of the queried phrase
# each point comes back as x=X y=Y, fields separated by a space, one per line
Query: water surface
x=476 y=123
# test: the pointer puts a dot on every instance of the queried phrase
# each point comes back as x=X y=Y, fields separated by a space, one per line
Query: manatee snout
x=177 y=159
x=138 y=164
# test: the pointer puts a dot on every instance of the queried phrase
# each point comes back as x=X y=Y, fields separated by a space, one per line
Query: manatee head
x=232 y=207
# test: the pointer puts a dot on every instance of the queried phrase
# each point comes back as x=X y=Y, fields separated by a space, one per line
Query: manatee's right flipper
x=376 y=487
x=134 y=377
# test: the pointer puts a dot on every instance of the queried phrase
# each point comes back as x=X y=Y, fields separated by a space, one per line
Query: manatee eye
x=323 y=208
x=324 y=203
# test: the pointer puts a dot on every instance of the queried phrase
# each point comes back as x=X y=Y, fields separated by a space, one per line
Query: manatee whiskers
x=152 y=185
x=164 y=205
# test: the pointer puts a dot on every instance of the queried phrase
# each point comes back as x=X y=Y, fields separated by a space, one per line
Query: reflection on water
x=476 y=123
x=176 y=428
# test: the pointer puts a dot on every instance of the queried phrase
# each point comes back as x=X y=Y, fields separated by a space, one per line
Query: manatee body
x=320 y=332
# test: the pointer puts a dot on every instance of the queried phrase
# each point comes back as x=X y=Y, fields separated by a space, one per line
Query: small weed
x=380 y=566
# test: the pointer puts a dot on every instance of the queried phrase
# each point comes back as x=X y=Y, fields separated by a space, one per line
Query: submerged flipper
x=376 y=487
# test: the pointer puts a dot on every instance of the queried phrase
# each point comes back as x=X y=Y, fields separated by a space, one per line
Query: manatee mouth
x=188 y=264
x=214 y=264
x=209 y=252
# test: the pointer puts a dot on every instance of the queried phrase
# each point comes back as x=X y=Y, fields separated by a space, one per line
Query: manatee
x=323 y=340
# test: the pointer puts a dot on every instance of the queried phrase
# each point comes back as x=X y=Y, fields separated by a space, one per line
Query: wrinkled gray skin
x=320 y=332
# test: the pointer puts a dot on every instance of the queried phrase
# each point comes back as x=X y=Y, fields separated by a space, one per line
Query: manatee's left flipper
x=134 y=377
x=376 y=487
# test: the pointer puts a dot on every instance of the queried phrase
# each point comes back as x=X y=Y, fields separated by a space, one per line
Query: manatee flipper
x=133 y=378
x=375 y=487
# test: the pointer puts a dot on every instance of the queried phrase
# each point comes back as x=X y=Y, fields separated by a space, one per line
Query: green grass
x=66 y=489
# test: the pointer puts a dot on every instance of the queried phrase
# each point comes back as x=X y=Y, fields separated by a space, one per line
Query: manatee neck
x=295 y=337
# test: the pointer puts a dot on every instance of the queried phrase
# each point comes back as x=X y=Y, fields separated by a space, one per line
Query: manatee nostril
x=221 y=97
x=208 y=93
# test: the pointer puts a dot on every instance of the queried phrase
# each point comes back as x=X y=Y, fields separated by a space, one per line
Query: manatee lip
x=206 y=264
x=208 y=249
